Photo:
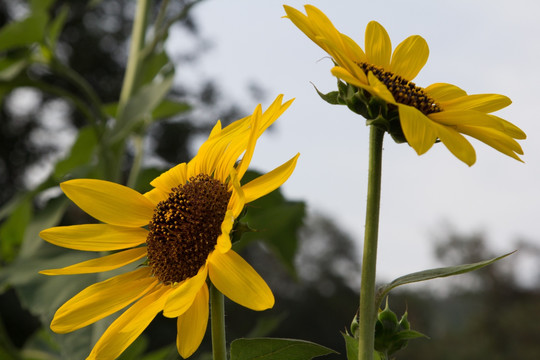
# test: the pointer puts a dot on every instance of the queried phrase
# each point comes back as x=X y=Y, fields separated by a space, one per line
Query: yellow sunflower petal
x=378 y=45
x=301 y=21
x=124 y=330
x=511 y=129
x=274 y=111
x=252 y=140
x=102 y=299
x=224 y=240
x=409 y=57
x=345 y=75
x=171 y=178
x=109 y=202
x=191 y=325
x=485 y=103
x=238 y=199
x=356 y=54
x=101 y=264
x=457 y=144
x=237 y=280
x=417 y=128
x=467 y=117
x=156 y=195
x=379 y=89
x=496 y=139
x=324 y=27
x=95 y=237
x=270 y=181
x=444 y=92
x=182 y=296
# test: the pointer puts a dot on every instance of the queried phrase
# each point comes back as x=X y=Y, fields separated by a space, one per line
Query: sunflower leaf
x=433 y=274
x=276 y=221
x=80 y=155
x=276 y=349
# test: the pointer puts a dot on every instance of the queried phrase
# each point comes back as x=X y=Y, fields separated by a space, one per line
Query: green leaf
x=276 y=349
x=351 y=344
x=24 y=32
x=151 y=67
x=11 y=68
x=141 y=105
x=12 y=230
x=80 y=155
x=433 y=274
x=56 y=25
x=40 y=6
x=276 y=221
x=168 y=108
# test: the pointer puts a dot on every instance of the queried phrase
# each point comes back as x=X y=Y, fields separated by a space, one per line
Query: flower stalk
x=217 y=318
x=368 y=308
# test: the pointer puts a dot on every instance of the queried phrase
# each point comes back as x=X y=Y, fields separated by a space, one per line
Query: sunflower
x=439 y=112
x=178 y=234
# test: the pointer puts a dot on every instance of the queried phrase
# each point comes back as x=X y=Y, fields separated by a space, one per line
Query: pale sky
x=486 y=46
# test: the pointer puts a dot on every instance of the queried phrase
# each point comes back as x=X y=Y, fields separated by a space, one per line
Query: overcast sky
x=485 y=46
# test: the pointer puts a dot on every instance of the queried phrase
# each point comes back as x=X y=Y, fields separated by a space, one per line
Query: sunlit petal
x=124 y=330
x=95 y=237
x=191 y=325
x=237 y=280
x=417 y=128
x=379 y=89
x=457 y=144
x=102 y=299
x=378 y=45
x=485 y=103
x=252 y=140
x=441 y=92
x=109 y=202
x=409 y=57
x=224 y=240
x=171 y=178
x=104 y=263
x=270 y=181
x=182 y=296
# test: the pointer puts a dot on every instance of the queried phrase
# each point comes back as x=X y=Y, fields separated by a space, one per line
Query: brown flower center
x=185 y=228
x=404 y=92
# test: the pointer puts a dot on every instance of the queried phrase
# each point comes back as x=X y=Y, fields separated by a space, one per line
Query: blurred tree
x=485 y=314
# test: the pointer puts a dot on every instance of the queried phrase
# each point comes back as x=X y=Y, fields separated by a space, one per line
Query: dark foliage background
x=488 y=315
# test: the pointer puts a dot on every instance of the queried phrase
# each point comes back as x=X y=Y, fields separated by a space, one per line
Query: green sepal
x=331 y=97
x=391 y=334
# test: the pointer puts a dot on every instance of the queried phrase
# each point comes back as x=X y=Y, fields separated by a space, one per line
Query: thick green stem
x=138 y=143
x=137 y=44
x=368 y=310
x=217 y=318
x=117 y=149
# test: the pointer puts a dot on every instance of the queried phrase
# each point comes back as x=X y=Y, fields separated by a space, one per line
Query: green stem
x=134 y=61
x=217 y=318
x=117 y=149
x=138 y=143
x=368 y=309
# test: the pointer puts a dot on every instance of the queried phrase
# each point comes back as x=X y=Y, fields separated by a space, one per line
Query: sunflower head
x=377 y=84
x=176 y=238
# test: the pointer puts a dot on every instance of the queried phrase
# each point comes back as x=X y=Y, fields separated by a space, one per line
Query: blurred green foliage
x=73 y=53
